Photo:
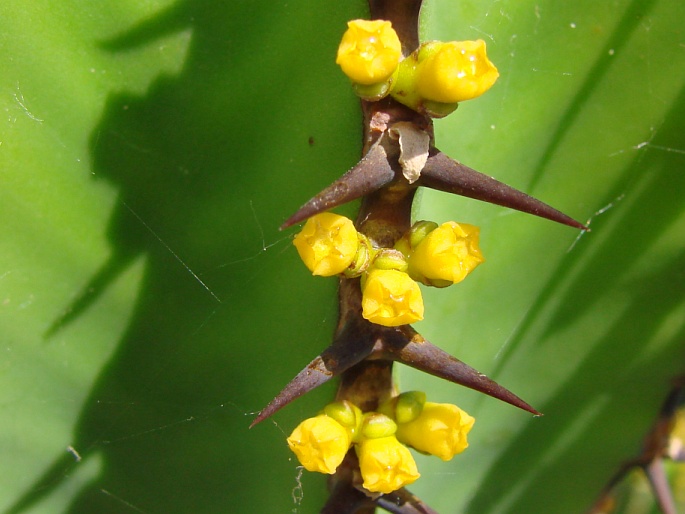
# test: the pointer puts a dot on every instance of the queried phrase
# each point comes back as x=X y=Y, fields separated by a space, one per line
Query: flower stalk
x=361 y=440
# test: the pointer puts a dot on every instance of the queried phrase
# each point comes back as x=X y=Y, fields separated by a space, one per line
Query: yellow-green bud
x=362 y=258
x=377 y=425
x=389 y=258
x=438 y=109
x=346 y=413
x=419 y=230
x=375 y=92
x=409 y=406
x=404 y=86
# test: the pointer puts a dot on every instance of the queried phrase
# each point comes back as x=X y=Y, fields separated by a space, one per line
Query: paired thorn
x=359 y=340
x=375 y=170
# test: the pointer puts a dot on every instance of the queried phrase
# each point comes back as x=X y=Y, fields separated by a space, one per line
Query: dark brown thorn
x=445 y=174
x=345 y=352
x=427 y=357
x=309 y=378
x=369 y=175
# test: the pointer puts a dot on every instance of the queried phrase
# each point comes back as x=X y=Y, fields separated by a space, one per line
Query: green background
x=149 y=307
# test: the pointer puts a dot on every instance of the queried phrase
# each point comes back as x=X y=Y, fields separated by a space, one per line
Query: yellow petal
x=448 y=253
x=440 y=430
x=455 y=71
x=369 y=51
x=320 y=443
x=390 y=298
x=327 y=244
x=386 y=465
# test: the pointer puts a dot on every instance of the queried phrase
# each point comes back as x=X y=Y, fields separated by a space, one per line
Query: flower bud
x=369 y=53
x=327 y=244
x=390 y=298
x=409 y=406
x=419 y=231
x=414 y=236
x=377 y=425
x=439 y=430
x=455 y=71
x=320 y=443
x=362 y=259
x=389 y=258
x=446 y=255
x=346 y=413
x=385 y=464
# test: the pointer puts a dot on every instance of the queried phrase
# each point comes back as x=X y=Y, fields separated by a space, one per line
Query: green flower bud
x=377 y=425
x=346 y=413
x=389 y=258
x=409 y=405
x=419 y=230
x=362 y=258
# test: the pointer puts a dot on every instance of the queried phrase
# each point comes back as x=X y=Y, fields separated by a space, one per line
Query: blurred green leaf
x=150 y=307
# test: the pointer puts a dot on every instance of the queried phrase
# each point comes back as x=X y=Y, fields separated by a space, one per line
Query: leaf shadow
x=203 y=165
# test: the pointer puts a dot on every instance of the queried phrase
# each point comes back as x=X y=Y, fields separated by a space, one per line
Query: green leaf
x=588 y=115
x=150 y=307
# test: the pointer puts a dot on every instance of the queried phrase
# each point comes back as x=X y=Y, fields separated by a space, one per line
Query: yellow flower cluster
x=433 y=79
x=380 y=439
x=433 y=255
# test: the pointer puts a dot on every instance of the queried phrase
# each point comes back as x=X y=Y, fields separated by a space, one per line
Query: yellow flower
x=320 y=443
x=327 y=244
x=369 y=51
x=446 y=255
x=440 y=430
x=390 y=298
x=455 y=71
x=386 y=465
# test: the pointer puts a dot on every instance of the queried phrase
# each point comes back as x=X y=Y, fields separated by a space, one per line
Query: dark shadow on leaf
x=208 y=164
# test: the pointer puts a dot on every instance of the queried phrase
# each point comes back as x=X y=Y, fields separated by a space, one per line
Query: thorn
x=371 y=173
x=346 y=351
x=445 y=174
x=427 y=357
x=309 y=378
